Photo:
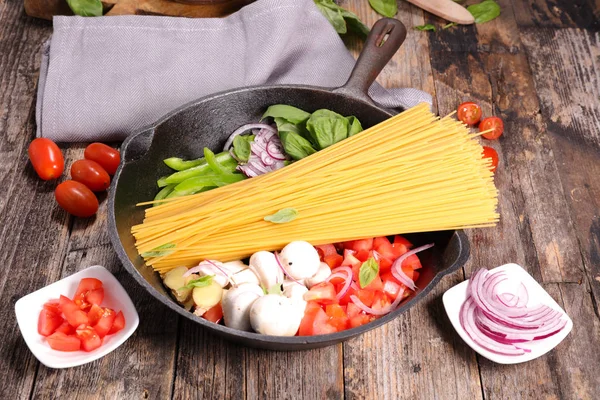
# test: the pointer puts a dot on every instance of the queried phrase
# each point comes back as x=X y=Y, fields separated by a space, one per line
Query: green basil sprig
x=427 y=27
x=387 y=8
x=485 y=11
x=159 y=251
x=241 y=147
x=200 y=282
x=368 y=271
x=342 y=20
x=282 y=216
x=86 y=8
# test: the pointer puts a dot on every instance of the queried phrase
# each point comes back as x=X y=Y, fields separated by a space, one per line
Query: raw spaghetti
x=413 y=172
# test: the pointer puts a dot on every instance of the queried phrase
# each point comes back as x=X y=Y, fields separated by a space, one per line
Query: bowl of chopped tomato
x=78 y=319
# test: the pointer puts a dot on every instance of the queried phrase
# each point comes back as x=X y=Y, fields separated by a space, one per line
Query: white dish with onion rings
x=500 y=323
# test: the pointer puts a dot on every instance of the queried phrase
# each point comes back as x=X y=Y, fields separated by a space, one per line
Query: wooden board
x=46 y=9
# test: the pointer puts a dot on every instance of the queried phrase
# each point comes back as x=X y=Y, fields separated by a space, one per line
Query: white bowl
x=456 y=296
x=28 y=309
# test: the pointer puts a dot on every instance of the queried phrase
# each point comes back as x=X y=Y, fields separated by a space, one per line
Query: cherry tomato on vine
x=104 y=155
x=46 y=158
x=488 y=152
x=494 y=123
x=469 y=113
x=91 y=174
x=75 y=198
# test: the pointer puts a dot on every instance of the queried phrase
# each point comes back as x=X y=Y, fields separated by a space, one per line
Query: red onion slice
x=204 y=263
x=243 y=129
x=384 y=310
x=397 y=267
x=344 y=273
x=275 y=150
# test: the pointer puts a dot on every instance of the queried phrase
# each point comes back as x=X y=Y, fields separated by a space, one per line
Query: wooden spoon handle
x=446 y=9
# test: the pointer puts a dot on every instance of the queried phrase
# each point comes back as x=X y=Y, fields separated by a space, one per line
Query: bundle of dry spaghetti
x=411 y=173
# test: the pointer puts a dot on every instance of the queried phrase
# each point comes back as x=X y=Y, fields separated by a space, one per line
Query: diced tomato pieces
x=398 y=239
x=360 y=319
x=363 y=255
x=376 y=284
x=383 y=246
x=314 y=321
x=391 y=287
x=380 y=301
x=214 y=314
x=66 y=328
x=105 y=323
x=346 y=298
x=365 y=296
x=333 y=260
x=352 y=310
x=326 y=249
x=73 y=314
x=48 y=322
x=338 y=281
x=53 y=306
x=89 y=291
x=95 y=314
x=88 y=284
x=337 y=317
x=361 y=245
x=63 y=342
x=322 y=293
x=90 y=340
x=118 y=324
x=411 y=262
x=350 y=260
x=384 y=264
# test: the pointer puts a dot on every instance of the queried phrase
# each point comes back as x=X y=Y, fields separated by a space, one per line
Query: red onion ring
x=339 y=273
x=397 y=267
x=243 y=129
x=275 y=149
x=284 y=271
x=384 y=310
x=198 y=268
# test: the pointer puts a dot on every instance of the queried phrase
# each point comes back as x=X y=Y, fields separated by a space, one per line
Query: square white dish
x=456 y=296
x=28 y=309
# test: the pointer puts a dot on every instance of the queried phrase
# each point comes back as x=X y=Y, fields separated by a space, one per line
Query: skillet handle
x=375 y=55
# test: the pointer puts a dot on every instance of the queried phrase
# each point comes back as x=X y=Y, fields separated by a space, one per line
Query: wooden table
x=537 y=67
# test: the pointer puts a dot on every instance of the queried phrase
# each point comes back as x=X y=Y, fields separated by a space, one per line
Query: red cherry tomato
x=469 y=113
x=46 y=158
x=494 y=123
x=488 y=152
x=104 y=155
x=91 y=174
x=75 y=198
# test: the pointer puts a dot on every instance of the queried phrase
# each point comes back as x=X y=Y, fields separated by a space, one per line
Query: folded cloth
x=104 y=78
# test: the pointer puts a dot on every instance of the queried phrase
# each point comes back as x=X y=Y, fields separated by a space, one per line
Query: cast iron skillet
x=208 y=122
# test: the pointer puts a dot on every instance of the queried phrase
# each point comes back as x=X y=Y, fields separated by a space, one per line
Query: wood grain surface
x=537 y=66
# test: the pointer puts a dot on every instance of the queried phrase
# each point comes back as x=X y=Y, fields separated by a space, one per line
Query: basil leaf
x=485 y=11
x=450 y=25
x=355 y=126
x=387 y=8
x=159 y=251
x=327 y=127
x=350 y=21
x=368 y=271
x=295 y=145
x=201 y=282
x=428 y=27
x=241 y=147
x=335 y=18
x=288 y=113
x=354 y=24
x=86 y=8
x=282 y=216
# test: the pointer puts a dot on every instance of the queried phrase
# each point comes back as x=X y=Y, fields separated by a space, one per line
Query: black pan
x=208 y=122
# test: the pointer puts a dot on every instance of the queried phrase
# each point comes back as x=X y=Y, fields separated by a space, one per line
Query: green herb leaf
x=86 y=8
x=387 y=8
x=290 y=114
x=275 y=289
x=485 y=11
x=349 y=21
x=450 y=25
x=159 y=251
x=355 y=126
x=201 y=282
x=368 y=271
x=241 y=147
x=282 y=216
x=354 y=24
x=427 y=27
x=295 y=145
x=327 y=127
x=335 y=17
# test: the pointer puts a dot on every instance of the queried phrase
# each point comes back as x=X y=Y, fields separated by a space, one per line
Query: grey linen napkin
x=105 y=78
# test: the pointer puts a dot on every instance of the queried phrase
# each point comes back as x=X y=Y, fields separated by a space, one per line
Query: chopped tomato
x=326 y=249
x=323 y=293
x=411 y=262
x=402 y=240
x=352 y=310
x=66 y=328
x=214 y=314
x=346 y=298
x=380 y=301
x=89 y=292
x=384 y=264
x=118 y=324
x=361 y=319
x=376 y=284
x=350 y=260
x=337 y=317
x=73 y=314
x=469 y=113
x=391 y=286
x=363 y=255
x=90 y=340
x=63 y=342
x=338 y=281
x=333 y=260
x=361 y=245
x=48 y=322
x=493 y=123
x=105 y=323
x=95 y=314
x=365 y=296
x=315 y=321
x=53 y=306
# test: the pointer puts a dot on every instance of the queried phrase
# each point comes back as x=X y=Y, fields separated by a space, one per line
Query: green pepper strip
x=179 y=164
x=226 y=161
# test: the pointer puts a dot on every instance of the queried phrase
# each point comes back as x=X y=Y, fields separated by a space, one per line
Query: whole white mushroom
x=294 y=290
x=237 y=303
x=266 y=268
x=300 y=260
x=277 y=315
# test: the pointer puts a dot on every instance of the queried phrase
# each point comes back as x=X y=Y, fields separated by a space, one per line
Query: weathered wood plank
x=558 y=13
x=419 y=355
